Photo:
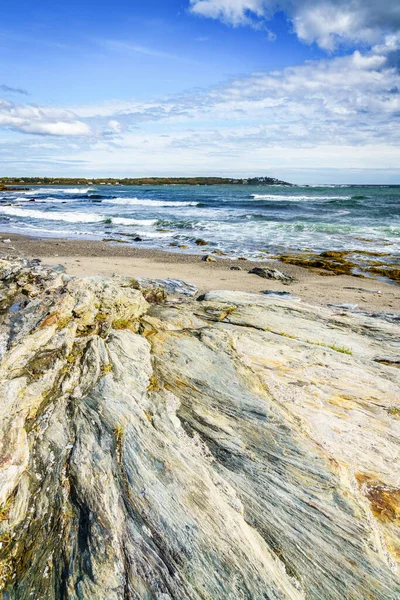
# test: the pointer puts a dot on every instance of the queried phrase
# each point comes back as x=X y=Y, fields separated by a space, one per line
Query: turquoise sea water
x=239 y=220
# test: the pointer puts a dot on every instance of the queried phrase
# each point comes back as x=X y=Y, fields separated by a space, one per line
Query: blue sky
x=299 y=89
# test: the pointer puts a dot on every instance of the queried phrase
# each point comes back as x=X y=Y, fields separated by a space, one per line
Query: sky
x=303 y=90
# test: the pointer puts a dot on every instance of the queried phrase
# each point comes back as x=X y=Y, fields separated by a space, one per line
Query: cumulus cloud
x=326 y=22
x=39 y=120
x=113 y=127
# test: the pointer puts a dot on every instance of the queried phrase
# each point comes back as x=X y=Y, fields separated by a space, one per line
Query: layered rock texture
x=240 y=447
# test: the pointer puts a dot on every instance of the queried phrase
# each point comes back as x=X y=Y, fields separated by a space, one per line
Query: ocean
x=253 y=222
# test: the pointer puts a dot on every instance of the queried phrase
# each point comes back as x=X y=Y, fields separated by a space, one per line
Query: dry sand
x=82 y=258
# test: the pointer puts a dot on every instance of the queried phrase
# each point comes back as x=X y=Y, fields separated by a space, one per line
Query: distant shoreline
x=5 y=182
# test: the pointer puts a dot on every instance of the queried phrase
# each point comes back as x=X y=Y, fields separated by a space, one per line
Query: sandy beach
x=85 y=258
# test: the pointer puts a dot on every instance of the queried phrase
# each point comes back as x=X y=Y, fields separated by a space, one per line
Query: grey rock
x=222 y=449
x=171 y=286
x=344 y=306
x=271 y=274
x=279 y=294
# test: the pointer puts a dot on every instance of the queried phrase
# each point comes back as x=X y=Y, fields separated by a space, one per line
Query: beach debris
x=236 y=268
x=242 y=258
x=209 y=258
x=281 y=295
x=271 y=274
x=137 y=238
x=200 y=242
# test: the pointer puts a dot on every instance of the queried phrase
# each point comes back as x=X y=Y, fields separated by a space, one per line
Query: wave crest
x=150 y=203
x=279 y=198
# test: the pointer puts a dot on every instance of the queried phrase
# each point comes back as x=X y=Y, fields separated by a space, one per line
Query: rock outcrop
x=238 y=448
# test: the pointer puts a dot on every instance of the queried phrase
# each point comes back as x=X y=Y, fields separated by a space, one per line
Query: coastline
x=89 y=257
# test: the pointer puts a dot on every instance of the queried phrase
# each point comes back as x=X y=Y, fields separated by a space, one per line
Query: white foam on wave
x=70 y=217
x=40 y=191
x=42 y=230
x=280 y=198
x=150 y=235
x=127 y=221
x=150 y=203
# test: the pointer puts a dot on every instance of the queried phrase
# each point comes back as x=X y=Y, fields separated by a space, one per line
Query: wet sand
x=83 y=258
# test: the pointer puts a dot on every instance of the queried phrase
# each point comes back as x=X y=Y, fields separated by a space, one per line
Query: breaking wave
x=150 y=203
x=281 y=198
x=72 y=217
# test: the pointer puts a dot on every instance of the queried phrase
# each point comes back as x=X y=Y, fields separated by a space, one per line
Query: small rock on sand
x=271 y=274
x=282 y=295
x=208 y=258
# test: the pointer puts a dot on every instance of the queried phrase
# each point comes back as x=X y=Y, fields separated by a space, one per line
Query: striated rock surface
x=242 y=447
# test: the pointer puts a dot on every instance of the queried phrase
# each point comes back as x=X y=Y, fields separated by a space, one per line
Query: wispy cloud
x=12 y=90
x=123 y=46
x=21 y=37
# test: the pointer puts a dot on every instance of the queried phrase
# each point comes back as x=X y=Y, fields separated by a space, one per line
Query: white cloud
x=326 y=22
x=341 y=112
x=114 y=126
x=33 y=119
x=127 y=47
x=351 y=99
